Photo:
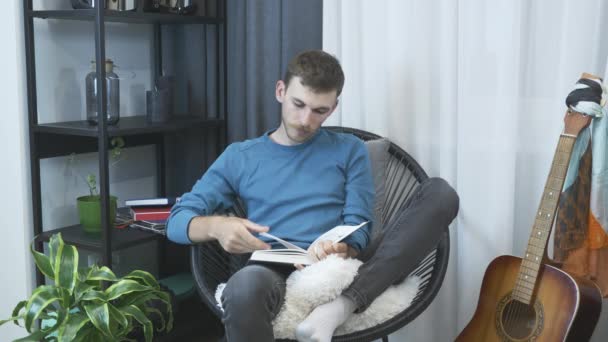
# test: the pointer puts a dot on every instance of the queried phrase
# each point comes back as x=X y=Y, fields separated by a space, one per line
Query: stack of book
x=150 y=214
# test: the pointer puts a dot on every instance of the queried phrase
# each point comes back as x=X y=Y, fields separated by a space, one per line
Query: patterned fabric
x=581 y=241
x=572 y=218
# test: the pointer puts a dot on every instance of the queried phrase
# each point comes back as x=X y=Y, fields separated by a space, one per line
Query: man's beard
x=304 y=133
x=301 y=134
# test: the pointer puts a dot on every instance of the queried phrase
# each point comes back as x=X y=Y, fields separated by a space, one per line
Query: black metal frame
x=63 y=138
x=211 y=265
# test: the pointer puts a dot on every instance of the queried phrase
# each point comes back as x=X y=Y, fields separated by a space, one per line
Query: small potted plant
x=79 y=307
x=89 y=206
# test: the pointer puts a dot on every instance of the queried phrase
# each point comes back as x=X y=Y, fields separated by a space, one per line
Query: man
x=299 y=181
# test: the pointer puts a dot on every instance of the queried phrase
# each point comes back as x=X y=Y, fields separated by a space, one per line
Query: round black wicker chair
x=211 y=265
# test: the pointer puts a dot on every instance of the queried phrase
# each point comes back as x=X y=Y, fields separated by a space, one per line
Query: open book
x=293 y=254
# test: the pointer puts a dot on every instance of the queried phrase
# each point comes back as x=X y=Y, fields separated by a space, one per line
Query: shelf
x=135 y=17
x=121 y=238
x=130 y=125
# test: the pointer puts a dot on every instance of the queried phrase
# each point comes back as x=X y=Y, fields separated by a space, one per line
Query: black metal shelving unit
x=62 y=138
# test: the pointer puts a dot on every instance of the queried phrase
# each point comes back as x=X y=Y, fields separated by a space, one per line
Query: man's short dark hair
x=317 y=70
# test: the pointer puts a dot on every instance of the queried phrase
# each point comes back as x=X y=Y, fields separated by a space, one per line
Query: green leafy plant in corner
x=81 y=308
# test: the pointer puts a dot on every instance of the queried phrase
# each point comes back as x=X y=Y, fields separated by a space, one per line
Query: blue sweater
x=298 y=191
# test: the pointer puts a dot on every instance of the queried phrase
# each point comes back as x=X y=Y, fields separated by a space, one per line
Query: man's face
x=302 y=110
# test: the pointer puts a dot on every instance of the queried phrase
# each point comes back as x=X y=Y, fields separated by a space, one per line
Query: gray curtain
x=263 y=35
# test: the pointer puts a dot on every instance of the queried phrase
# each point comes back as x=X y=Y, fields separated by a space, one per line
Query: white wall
x=17 y=274
x=63 y=53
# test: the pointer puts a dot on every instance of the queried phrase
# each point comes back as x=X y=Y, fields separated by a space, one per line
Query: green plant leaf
x=135 y=298
x=100 y=317
x=66 y=266
x=54 y=242
x=117 y=142
x=123 y=287
x=103 y=273
x=15 y=317
x=83 y=273
x=88 y=333
x=166 y=298
x=66 y=297
x=81 y=289
x=43 y=263
x=36 y=336
x=160 y=315
x=145 y=277
x=118 y=316
x=95 y=296
x=140 y=317
x=141 y=298
x=68 y=331
x=61 y=319
x=42 y=297
x=92 y=183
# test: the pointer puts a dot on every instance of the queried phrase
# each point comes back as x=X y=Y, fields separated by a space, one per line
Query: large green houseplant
x=78 y=307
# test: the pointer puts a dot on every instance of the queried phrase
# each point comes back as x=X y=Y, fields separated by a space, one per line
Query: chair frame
x=210 y=264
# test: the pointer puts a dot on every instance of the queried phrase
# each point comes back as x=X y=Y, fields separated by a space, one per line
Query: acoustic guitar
x=526 y=299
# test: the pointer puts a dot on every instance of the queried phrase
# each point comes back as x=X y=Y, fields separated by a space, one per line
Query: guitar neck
x=545 y=215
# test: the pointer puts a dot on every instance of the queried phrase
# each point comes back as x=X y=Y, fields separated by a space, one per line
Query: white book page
x=338 y=233
x=273 y=255
x=282 y=242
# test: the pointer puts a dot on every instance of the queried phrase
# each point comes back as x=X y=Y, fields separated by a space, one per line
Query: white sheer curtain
x=475 y=91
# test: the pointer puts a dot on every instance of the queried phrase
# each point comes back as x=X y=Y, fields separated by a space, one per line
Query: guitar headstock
x=574 y=122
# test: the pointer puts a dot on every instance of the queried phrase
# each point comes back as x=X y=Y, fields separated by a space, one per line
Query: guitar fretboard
x=545 y=215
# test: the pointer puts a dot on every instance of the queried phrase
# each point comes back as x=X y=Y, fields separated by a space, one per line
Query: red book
x=150 y=213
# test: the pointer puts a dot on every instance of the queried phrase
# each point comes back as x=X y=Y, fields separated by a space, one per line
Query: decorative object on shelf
x=89 y=212
x=151 y=202
x=78 y=307
x=171 y=6
x=89 y=206
x=121 y=5
x=157 y=105
x=112 y=92
x=151 y=5
x=116 y=5
x=159 y=101
x=151 y=213
x=154 y=226
x=182 y=6
x=83 y=4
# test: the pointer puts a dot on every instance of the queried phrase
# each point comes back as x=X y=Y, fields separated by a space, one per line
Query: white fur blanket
x=323 y=282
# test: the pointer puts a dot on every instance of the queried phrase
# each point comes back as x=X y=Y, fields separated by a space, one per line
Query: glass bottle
x=113 y=92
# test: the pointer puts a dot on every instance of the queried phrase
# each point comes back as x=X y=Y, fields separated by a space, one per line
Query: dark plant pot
x=89 y=212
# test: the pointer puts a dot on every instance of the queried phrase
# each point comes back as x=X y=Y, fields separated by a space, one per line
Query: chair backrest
x=211 y=265
x=403 y=174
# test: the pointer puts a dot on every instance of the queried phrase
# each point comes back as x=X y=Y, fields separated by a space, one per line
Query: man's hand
x=234 y=234
x=322 y=249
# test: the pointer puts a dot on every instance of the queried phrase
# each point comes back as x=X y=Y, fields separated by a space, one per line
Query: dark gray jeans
x=253 y=296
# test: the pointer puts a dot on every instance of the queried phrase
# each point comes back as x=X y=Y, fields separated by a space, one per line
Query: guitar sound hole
x=518 y=320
